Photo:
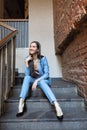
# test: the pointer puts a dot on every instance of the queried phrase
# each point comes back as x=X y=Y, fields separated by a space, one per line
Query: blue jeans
x=42 y=84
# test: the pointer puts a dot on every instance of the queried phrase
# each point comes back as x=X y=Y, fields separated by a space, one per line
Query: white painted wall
x=21 y=53
x=41 y=29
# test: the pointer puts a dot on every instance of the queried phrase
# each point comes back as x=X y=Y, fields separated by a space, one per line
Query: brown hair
x=31 y=63
x=38 y=47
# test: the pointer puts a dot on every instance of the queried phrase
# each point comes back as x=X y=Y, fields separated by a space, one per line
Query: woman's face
x=33 y=49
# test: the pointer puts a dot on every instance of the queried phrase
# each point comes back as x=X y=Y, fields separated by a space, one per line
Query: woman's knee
x=41 y=82
x=27 y=77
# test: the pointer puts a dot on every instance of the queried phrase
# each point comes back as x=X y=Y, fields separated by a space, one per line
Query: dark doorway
x=14 y=9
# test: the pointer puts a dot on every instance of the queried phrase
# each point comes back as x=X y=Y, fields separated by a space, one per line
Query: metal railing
x=7 y=63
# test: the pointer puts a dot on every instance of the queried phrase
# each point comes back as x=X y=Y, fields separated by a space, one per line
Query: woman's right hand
x=27 y=60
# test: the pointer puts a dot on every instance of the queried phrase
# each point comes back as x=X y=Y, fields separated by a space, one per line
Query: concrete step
x=56 y=82
x=42 y=116
x=61 y=93
x=44 y=125
x=44 y=110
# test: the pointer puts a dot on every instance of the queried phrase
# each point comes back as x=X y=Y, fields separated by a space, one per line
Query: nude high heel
x=21 y=108
x=59 y=112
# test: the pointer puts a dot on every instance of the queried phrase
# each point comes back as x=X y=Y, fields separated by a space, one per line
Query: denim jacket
x=43 y=68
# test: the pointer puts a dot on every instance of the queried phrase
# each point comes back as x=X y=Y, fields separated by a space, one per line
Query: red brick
x=67 y=15
x=75 y=62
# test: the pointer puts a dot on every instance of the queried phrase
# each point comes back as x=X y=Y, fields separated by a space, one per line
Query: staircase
x=40 y=114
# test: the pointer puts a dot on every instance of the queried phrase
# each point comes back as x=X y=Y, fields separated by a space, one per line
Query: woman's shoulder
x=43 y=57
x=44 y=60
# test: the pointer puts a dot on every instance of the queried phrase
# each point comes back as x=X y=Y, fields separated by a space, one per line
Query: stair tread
x=60 y=93
x=56 y=82
x=42 y=114
x=44 y=125
x=44 y=111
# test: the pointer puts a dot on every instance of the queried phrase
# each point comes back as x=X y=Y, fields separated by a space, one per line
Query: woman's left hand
x=34 y=85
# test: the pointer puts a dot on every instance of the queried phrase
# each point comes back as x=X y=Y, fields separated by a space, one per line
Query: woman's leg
x=48 y=92
x=43 y=84
x=24 y=91
x=28 y=80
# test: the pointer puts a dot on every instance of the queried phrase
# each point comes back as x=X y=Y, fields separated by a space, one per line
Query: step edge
x=45 y=100
x=53 y=86
x=41 y=120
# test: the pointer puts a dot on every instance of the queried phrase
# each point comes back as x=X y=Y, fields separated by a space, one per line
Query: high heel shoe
x=60 y=118
x=19 y=114
x=59 y=112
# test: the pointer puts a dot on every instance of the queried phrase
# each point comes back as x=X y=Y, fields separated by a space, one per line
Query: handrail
x=20 y=24
x=7 y=64
x=7 y=38
x=7 y=26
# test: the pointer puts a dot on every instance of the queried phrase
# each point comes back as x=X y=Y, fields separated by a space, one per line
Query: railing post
x=0 y=84
x=13 y=49
x=2 y=80
x=8 y=68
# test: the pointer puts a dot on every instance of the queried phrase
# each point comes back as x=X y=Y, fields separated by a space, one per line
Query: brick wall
x=67 y=15
x=74 y=64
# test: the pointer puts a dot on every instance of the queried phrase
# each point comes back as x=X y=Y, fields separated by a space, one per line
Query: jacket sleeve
x=45 y=68
x=27 y=69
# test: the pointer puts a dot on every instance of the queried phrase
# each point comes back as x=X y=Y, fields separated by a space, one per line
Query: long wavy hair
x=38 y=47
x=31 y=63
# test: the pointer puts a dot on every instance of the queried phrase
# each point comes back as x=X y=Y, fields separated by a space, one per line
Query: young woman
x=37 y=74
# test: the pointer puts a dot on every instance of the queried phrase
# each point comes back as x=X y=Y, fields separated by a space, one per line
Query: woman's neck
x=35 y=57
